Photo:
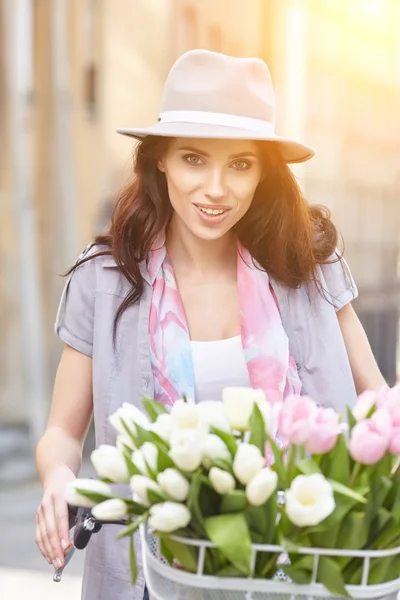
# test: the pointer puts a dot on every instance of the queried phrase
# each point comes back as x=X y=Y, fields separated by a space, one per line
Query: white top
x=218 y=365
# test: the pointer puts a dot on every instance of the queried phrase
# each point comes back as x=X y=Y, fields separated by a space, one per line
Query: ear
x=161 y=165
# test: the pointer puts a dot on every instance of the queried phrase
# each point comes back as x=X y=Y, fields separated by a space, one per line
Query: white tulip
x=261 y=486
x=163 y=426
x=90 y=485
x=247 y=463
x=169 y=516
x=109 y=463
x=185 y=415
x=239 y=404
x=125 y=442
x=139 y=462
x=140 y=485
x=186 y=449
x=110 y=510
x=213 y=414
x=214 y=448
x=150 y=455
x=174 y=484
x=309 y=500
x=130 y=415
x=222 y=481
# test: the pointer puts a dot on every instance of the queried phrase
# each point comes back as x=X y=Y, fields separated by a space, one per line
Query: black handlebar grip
x=85 y=525
x=81 y=537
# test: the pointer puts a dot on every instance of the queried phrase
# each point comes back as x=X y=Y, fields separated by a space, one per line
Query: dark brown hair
x=287 y=236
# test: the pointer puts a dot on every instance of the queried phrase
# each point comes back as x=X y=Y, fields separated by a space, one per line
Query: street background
x=71 y=72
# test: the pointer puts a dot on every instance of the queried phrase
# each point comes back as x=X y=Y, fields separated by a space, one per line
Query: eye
x=192 y=159
x=241 y=165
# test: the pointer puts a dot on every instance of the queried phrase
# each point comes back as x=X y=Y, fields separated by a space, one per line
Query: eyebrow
x=238 y=155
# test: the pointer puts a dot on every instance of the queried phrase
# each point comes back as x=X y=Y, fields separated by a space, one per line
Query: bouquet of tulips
x=245 y=471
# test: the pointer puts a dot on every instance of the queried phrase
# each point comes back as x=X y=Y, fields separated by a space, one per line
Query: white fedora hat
x=211 y=95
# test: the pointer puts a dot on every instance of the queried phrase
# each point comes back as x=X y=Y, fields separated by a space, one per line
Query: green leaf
x=231 y=535
x=288 y=544
x=164 y=461
x=352 y=535
x=193 y=498
x=330 y=574
x=165 y=551
x=134 y=507
x=233 y=502
x=343 y=507
x=143 y=435
x=266 y=564
x=227 y=438
x=223 y=463
x=132 y=469
x=153 y=408
x=308 y=467
x=340 y=462
x=257 y=430
x=129 y=432
x=132 y=527
x=346 y=491
x=94 y=496
x=278 y=465
x=300 y=569
x=229 y=571
x=351 y=420
x=383 y=569
x=185 y=555
x=380 y=524
x=155 y=497
x=132 y=560
x=263 y=519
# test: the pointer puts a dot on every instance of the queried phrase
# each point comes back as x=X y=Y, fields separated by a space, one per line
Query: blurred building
x=72 y=71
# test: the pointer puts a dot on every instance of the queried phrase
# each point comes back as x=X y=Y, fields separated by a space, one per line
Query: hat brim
x=292 y=151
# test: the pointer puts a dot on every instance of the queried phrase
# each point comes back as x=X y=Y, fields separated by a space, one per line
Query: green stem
x=291 y=462
x=354 y=473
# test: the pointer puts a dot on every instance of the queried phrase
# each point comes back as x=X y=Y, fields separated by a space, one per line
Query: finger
x=41 y=536
x=57 y=553
x=39 y=542
x=62 y=521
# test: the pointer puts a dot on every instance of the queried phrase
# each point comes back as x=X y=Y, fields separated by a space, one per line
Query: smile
x=211 y=214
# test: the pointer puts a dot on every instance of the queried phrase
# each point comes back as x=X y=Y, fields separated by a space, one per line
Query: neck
x=197 y=255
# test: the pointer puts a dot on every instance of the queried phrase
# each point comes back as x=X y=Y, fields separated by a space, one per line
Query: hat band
x=210 y=118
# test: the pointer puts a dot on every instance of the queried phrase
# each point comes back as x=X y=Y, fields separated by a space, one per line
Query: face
x=211 y=183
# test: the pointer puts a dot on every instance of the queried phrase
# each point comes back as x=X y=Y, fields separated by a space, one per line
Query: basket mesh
x=163 y=588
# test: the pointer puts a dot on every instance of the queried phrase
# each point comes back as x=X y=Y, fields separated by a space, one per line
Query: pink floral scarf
x=264 y=341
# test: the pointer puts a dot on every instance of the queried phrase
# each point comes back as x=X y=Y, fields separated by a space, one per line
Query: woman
x=215 y=272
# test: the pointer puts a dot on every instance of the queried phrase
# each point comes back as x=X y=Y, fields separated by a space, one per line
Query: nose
x=215 y=186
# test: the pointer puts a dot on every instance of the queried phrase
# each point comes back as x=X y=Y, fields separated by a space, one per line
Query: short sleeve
x=339 y=283
x=75 y=316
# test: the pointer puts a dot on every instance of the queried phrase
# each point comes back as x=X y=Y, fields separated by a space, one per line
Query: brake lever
x=68 y=554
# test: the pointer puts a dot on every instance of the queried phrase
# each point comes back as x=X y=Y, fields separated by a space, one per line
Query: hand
x=52 y=522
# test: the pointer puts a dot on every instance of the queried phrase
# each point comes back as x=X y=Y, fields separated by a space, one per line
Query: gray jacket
x=85 y=319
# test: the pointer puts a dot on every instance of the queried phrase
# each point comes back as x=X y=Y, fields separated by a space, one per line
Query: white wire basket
x=166 y=582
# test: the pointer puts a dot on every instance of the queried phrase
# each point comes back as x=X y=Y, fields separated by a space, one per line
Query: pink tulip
x=390 y=401
x=370 y=438
x=394 y=446
x=324 y=431
x=296 y=419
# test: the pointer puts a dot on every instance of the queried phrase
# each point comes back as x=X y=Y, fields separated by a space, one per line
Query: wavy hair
x=286 y=235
